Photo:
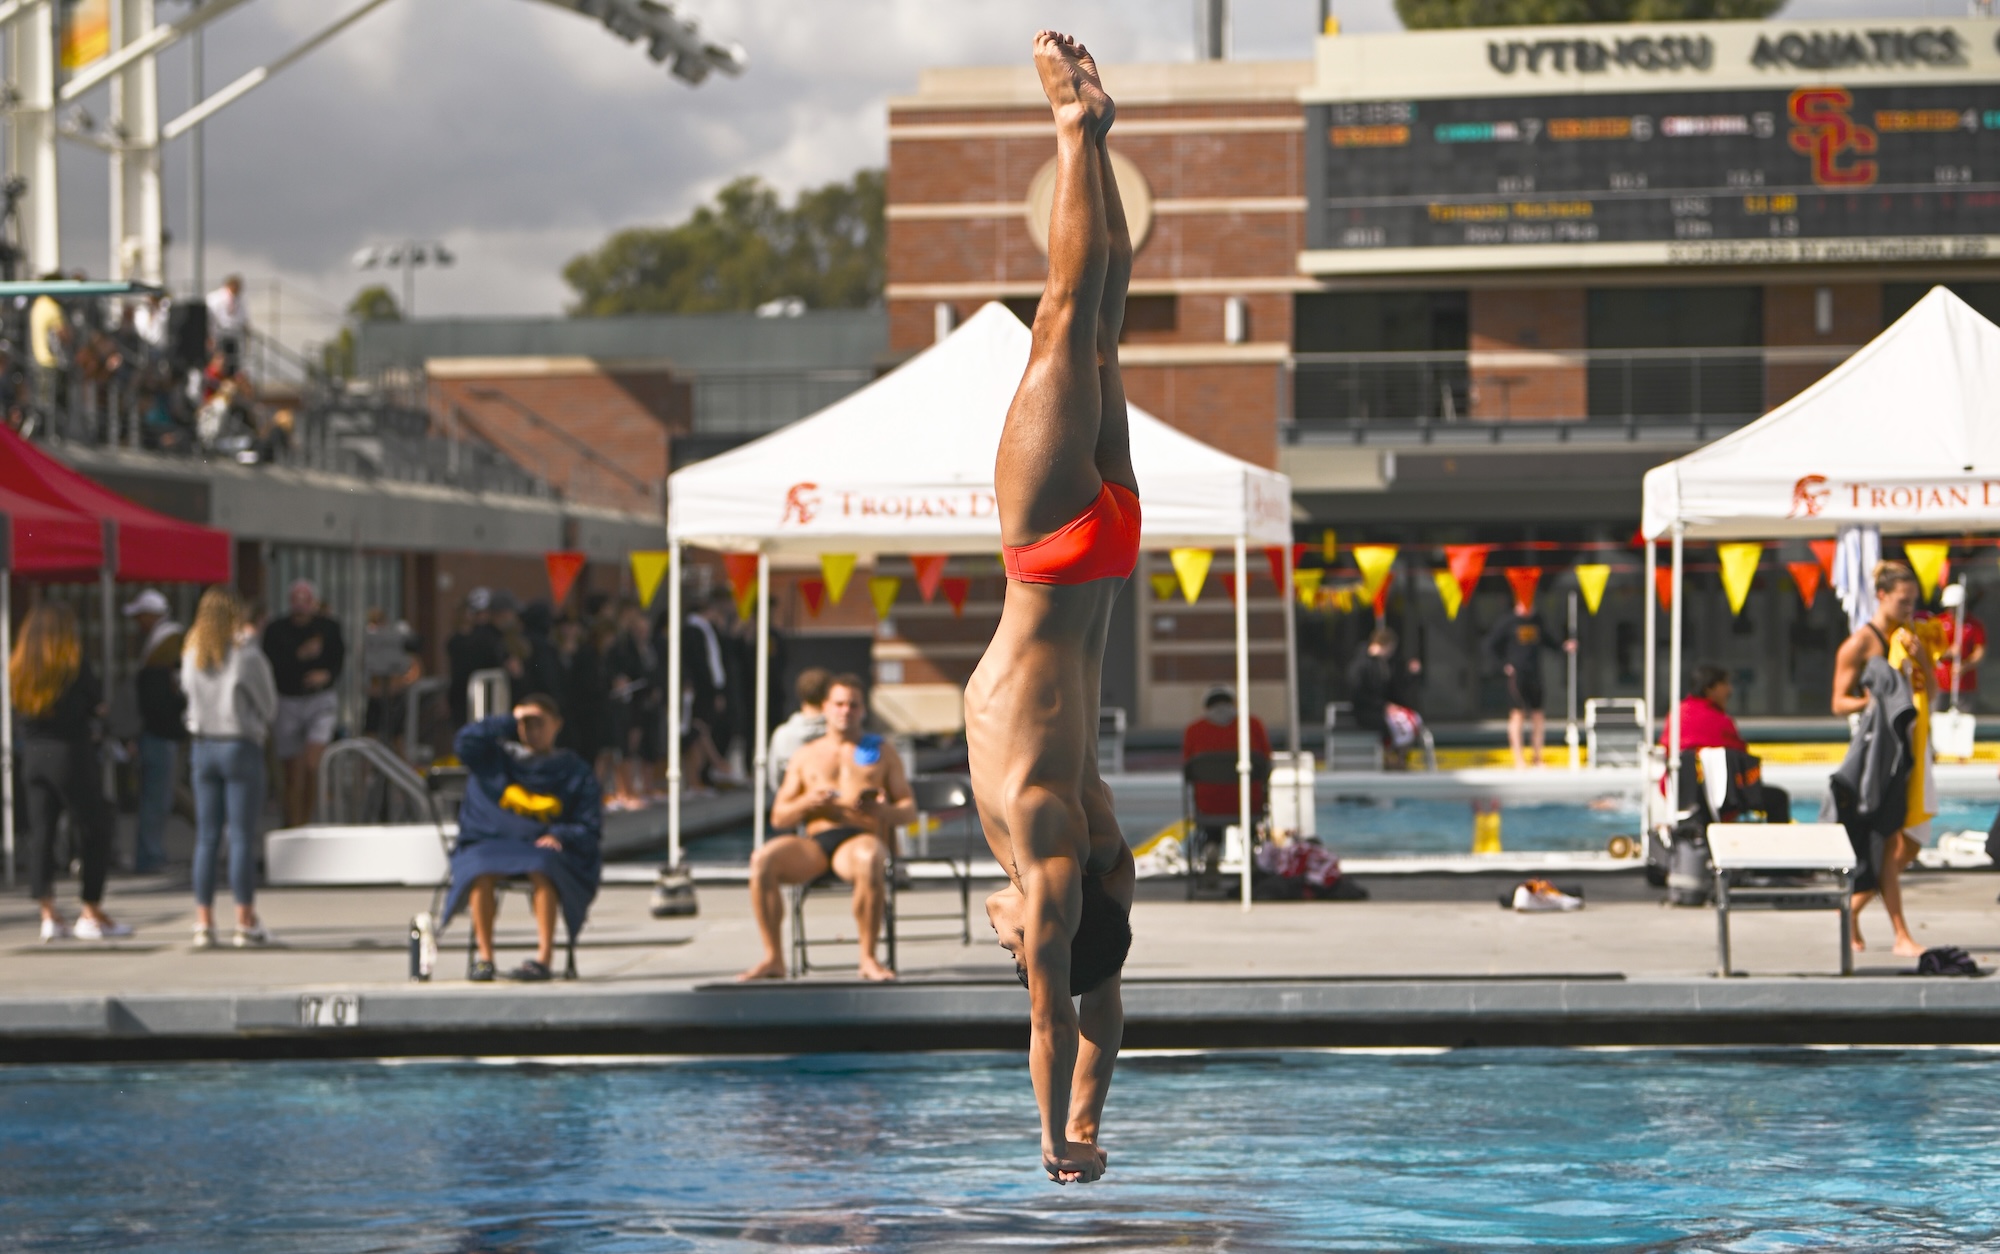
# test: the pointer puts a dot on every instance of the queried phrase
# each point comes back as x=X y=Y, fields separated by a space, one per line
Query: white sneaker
x=54 y=930
x=204 y=937
x=252 y=937
x=87 y=928
x=1542 y=897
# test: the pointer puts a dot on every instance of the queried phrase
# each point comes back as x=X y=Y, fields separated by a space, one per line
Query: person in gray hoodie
x=231 y=698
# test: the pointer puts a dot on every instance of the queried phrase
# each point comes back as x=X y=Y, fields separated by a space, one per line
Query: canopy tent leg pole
x=1569 y=729
x=1652 y=669
x=759 y=747
x=107 y=595
x=1300 y=799
x=673 y=695
x=7 y=718
x=1674 y=679
x=1243 y=711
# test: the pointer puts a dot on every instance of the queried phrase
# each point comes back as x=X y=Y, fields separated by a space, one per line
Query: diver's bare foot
x=769 y=969
x=873 y=970
x=1907 y=947
x=1069 y=79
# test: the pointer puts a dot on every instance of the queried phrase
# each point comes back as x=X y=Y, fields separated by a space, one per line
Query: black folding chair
x=1205 y=829
x=446 y=786
x=944 y=799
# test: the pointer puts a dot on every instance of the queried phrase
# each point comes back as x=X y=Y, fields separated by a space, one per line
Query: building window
x=1676 y=353
x=332 y=572
x=1898 y=297
x=1151 y=315
x=1365 y=357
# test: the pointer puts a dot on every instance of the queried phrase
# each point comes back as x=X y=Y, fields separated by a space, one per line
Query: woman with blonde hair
x=232 y=698
x=61 y=704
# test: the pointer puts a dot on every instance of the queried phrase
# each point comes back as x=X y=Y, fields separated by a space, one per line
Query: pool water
x=1655 y=1150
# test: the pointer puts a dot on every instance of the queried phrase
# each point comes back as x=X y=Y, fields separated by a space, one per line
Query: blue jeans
x=156 y=798
x=228 y=794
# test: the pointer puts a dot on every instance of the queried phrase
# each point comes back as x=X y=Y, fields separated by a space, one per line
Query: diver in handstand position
x=1069 y=522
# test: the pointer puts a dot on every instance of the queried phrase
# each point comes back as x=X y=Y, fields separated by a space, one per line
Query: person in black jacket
x=474 y=647
x=1383 y=691
x=60 y=704
x=1515 y=644
x=162 y=710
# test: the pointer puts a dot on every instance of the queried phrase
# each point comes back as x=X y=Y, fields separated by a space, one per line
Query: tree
x=743 y=250
x=370 y=304
x=1439 y=14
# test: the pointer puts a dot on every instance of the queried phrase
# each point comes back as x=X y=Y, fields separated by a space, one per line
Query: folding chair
x=446 y=786
x=1219 y=768
x=944 y=798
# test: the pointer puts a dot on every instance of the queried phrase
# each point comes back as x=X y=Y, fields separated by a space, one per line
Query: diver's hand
x=1072 y=1162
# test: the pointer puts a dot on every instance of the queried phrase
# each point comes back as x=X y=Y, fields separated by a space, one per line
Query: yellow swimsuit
x=1918 y=642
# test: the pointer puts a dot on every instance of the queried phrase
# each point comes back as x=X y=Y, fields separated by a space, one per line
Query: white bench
x=1788 y=850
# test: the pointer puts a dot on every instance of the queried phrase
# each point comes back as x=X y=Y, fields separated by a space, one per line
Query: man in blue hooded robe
x=531 y=810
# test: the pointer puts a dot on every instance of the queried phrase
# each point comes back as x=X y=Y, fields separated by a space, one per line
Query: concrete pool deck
x=1429 y=961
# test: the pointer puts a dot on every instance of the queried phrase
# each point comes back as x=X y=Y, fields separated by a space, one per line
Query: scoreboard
x=1820 y=162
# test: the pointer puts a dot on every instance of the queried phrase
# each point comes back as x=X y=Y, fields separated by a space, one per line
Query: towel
x=1854 y=557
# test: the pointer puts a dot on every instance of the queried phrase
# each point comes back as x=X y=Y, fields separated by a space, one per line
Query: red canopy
x=48 y=542
x=151 y=546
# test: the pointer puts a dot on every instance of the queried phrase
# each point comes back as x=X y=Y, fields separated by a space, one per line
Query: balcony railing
x=1705 y=386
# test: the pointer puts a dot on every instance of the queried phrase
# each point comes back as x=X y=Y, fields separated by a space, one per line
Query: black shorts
x=834 y=837
x=1524 y=691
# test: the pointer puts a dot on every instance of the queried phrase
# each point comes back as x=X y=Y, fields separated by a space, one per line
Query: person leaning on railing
x=232 y=699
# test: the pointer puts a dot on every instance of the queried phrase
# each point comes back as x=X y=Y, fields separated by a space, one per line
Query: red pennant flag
x=1276 y=556
x=1382 y=599
x=1227 y=583
x=564 y=566
x=814 y=593
x=1823 y=550
x=1663 y=580
x=742 y=571
x=1467 y=563
x=1806 y=576
x=1299 y=552
x=1523 y=579
x=929 y=569
x=955 y=590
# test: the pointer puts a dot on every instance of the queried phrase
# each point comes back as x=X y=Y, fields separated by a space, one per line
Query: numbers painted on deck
x=329 y=1010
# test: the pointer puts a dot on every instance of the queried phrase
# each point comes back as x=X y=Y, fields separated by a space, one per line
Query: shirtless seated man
x=1069 y=523
x=850 y=791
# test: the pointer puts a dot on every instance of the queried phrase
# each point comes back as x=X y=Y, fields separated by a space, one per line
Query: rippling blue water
x=1655 y=1150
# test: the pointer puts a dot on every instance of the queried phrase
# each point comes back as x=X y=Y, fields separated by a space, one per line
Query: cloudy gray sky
x=521 y=134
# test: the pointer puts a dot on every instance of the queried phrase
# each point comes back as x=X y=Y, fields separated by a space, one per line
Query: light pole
x=407 y=255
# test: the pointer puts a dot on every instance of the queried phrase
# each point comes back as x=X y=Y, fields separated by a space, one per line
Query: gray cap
x=1218 y=692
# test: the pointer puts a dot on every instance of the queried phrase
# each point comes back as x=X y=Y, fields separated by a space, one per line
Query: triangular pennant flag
x=1327 y=547
x=882 y=591
x=1927 y=559
x=1823 y=551
x=929 y=570
x=836 y=569
x=649 y=566
x=1524 y=579
x=1191 y=566
x=1226 y=581
x=1276 y=556
x=1307 y=583
x=1663 y=583
x=813 y=592
x=1806 y=575
x=1374 y=561
x=741 y=568
x=564 y=566
x=1299 y=552
x=1468 y=563
x=955 y=589
x=1590 y=580
x=1447 y=586
x=1739 y=567
x=1382 y=599
x=1164 y=583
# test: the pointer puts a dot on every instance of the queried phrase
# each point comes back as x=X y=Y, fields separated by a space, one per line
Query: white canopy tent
x=1903 y=436
x=905 y=465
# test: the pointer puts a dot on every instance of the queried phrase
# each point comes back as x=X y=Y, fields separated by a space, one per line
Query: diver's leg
x=1046 y=473
x=1114 y=445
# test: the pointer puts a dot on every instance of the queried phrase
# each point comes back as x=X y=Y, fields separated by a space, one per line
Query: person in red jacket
x=1215 y=732
x=1705 y=721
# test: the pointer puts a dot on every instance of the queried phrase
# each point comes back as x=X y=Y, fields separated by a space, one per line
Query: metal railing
x=1350 y=391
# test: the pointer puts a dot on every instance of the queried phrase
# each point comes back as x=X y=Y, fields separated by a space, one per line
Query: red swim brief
x=1100 y=543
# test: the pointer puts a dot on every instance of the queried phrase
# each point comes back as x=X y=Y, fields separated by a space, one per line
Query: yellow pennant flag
x=836 y=569
x=1739 y=564
x=1448 y=592
x=1374 y=561
x=1343 y=599
x=1163 y=585
x=1307 y=584
x=1191 y=565
x=745 y=602
x=1590 y=581
x=1328 y=546
x=882 y=590
x=649 y=566
x=1927 y=560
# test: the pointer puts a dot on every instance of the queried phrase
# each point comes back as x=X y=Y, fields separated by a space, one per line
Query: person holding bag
x=231 y=700
x=61 y=706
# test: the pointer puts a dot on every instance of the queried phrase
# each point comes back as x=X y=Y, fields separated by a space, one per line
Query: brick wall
x=1521 y=342
x=1791 y=321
